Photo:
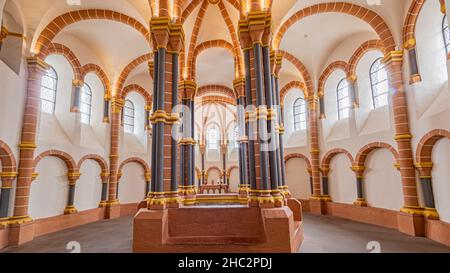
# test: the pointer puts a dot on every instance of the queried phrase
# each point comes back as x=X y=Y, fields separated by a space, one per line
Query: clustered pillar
x=244 y=185
x=168 y=39
x=261 y=114
x=187 y=143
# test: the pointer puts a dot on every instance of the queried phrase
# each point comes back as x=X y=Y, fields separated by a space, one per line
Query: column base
x=70 y=210
x=112 y=210
x=4 y=222
x=21 y=230
x=360 y=202
x=431 y=213
x=318 y=204
x=266 y=201
x=102 y=204
x=411 y=221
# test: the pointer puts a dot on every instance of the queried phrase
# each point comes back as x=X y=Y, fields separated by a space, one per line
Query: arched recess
x=298 y=168
x=140 y=90
x=336 y=166
x=431 y=61
x=215 y=89
x=8 y=173
x=214 y=174
x=369 y=16
x=59 y=49
x=409 y=28
x=432 y=157
x=361 y=51
x=12 y=35
x=233 y=172
x=7 y=159
x=289 y=86
x=93 y=68
x=337 y=65
x=382 y=182
x=130 y=190
x=128 y=69
x=207 y=45
x=94 y=171
x=49 y=192
x=301 y=68
x=59 y=23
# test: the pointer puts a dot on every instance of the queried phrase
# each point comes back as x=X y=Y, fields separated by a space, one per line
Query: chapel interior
x=220 y=126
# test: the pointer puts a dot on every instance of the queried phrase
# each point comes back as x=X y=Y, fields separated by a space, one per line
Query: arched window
x=379 y=83
x=49 y=85
x=446 y=34
x=128 y=117
x=213 y=138
x=343 y=99
x=299 y=115
x=236 y=136
x=85 y=104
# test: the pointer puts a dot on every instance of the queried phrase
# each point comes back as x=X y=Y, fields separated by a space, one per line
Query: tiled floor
x=323 y=234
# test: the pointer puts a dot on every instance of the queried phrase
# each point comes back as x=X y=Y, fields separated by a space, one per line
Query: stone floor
x=323 y=234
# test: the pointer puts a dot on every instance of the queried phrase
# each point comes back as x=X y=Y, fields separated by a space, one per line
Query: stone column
x=359 y=173
x=112 y=205
x=73 y=177
x=325 y=185
x=277 y=60
x=22 y=230
x=106 y=102
x=255 y=33
x=411 y=221
x=148 y=181
x=224 y=148
x=410 y=46
x=202 y=147
x=77 y=85
x=187 y=91
x=353 y=92
x=104 y=196
x=426 y=181
x=7 y=179
x=168 y=39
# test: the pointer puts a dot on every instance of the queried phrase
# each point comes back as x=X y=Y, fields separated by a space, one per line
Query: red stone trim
x=204 y=46
x=213 y=89
x=426 y=144
x=7 y=158
x=93 y=68
x=214 y=168
x=332 y=153
x=300 y=156
x=292 y=85
x=136 y=160
x=361 y=157
x=59 y=49
x=337 y=65
x=129 y=68
x=409 y=28
x=138 y=89
x=59 y=23
x=301 y=69
x=100 y=160
x=70 y=162
x=369 y=16
x=361 y=51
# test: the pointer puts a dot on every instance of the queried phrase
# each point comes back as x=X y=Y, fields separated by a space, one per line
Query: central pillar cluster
x=167 y=40
x=262 y=130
